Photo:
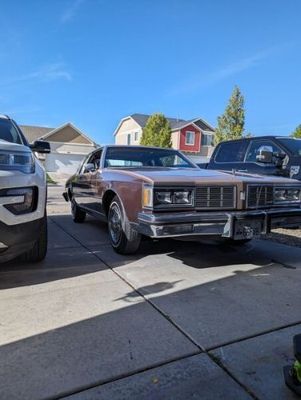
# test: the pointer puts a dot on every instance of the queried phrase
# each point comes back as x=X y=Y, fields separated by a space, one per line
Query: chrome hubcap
x=115 y=226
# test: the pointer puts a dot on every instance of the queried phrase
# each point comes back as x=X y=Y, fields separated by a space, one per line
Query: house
x=193 y=137
x=69 y=145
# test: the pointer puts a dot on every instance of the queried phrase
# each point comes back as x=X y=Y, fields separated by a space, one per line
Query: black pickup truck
x=264 y=155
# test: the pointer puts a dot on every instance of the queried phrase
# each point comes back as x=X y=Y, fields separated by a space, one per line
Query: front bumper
x=237 y=224
x=15 y=180
x=17 y=239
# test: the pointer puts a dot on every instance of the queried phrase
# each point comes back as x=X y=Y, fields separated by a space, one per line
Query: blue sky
x=93 y=62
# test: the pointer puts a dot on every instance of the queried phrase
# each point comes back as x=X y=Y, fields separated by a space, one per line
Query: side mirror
x=39 y=146
x=265 y=154
x=90 y=167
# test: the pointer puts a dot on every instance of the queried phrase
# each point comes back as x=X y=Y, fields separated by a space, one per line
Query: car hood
x=8 y=146
x=199 y=176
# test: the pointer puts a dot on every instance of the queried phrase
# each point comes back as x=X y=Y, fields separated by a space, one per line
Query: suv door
x=230 y=155
x=257 y=167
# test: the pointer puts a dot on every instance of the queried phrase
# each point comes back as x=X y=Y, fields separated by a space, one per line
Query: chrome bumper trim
x=213 y=223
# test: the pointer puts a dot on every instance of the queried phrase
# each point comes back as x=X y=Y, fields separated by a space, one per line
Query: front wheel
x=123 y=242
x=39 y=250
x=78 y=214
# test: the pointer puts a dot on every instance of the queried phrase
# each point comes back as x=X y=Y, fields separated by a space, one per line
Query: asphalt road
x=179 y=320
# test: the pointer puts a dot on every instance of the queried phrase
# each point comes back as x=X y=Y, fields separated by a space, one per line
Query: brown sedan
x=160 y=193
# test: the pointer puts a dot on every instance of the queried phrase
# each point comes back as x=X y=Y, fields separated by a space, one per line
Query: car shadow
x=79 y=249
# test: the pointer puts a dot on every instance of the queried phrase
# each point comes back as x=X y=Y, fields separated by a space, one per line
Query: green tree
x=157 y=131
x=297 y=132
x=231 y=124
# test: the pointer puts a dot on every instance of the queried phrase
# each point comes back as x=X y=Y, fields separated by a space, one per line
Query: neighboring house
x=193 y=137
x=68 y=145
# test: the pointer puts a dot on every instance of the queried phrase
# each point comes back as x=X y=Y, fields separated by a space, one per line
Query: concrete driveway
x=179 y=320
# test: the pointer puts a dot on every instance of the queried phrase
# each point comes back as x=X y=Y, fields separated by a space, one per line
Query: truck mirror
x=265 y=154
x=39 y=146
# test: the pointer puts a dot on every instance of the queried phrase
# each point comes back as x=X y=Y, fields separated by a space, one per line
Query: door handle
x=242 y=170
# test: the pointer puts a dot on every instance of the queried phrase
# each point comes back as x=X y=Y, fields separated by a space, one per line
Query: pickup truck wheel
x=39 y=250
x=121 y=242
x=78 y=214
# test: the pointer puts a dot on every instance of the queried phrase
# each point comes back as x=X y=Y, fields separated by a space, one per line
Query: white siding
x=70 y=148
x=128 y=127
x=122 y=137
x=175 y=139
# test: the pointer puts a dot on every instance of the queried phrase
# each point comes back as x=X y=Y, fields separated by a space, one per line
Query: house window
x=189 y=137
x=129 y=139
x=207 y=139
x=136 y=136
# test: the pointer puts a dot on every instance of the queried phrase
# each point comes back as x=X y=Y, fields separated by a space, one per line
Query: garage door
x=63 y=163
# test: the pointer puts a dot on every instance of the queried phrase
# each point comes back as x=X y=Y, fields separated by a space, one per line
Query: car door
x=82 y=191
x=254 y=166
x=96 y=183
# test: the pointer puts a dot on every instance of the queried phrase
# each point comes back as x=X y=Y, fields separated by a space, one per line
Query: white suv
x=23 y=193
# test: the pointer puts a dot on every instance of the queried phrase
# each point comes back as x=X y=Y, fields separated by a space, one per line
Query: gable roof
x=33 y=133
x=181 y=124
x=204 y=125
x=175 y=123
x=53 y=131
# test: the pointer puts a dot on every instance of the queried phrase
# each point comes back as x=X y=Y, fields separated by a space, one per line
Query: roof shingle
x=33 y=133
x=175 y=123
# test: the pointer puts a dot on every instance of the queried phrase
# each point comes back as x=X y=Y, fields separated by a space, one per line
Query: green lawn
x=50 y=180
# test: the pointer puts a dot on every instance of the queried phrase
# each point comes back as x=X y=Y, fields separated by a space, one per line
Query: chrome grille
x=260 y=196
x=215 y=197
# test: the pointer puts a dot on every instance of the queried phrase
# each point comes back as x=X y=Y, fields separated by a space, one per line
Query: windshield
x=133 y=157
x=9 y=132
x=293 y=145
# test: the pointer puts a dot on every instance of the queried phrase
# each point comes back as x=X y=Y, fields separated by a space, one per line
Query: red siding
x=197 y=139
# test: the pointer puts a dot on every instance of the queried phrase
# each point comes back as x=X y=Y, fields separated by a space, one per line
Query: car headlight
x=17 y=161
x=160 y=198
x=287 y=195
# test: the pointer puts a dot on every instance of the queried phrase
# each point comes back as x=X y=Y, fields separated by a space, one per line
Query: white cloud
x=226 y=71
x=46 y=73
x=70 y=12
x=50 y=72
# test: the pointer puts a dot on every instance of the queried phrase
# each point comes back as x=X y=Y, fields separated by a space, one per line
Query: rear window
x=231 y=152
x=9 y=132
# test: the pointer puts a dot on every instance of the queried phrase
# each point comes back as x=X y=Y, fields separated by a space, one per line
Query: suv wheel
x=78 y=214
x=123 y=243
x=39 y=250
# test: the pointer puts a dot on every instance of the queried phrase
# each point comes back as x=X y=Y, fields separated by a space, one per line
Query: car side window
x=256 y=145
x=231 y=152
x=93 y=159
